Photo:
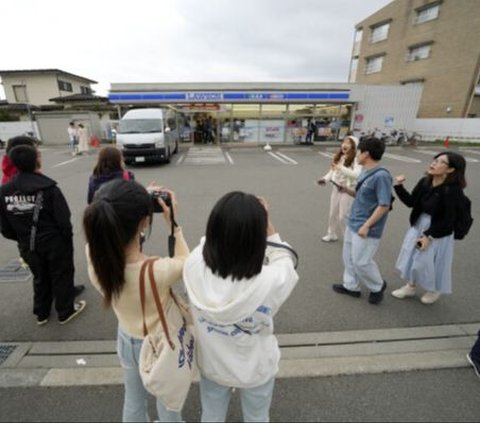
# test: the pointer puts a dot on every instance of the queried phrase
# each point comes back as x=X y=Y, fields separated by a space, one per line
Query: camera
x=165 y=196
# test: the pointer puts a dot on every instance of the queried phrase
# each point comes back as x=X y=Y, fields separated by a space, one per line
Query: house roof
x=77 y=98
x=34 y=71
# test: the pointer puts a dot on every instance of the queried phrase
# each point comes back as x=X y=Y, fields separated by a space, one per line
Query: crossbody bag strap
x=36 y=215
x=288 y=248
x=158 y=303
x=142 y=294
x=359 y=184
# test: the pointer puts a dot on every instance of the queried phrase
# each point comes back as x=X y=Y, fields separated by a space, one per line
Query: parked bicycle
x=410 y=139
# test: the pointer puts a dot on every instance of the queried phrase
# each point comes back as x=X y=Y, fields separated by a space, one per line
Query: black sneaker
x=42 y=320
x=475 y=364
x=77 y=309
x=340 y=289
x=377 y=297
x=78 y=289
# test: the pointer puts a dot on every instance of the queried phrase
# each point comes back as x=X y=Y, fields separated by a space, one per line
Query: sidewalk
x=307 y=355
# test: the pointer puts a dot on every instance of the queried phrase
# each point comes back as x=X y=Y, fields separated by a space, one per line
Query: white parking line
x=180 y=159
x=278 y=158
x=64 y=163
x=287 y=158
x=402 y=158
x=328 y=155
x=229 y=157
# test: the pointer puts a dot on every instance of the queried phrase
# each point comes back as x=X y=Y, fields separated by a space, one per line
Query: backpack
x=463 y=219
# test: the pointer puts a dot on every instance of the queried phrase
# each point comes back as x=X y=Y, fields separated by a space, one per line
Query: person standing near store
x=311 y=129
x=366 y=223
x=33 y=212
x=426 y=254
x=72 y=136
x=344 y=171
x=82 y=139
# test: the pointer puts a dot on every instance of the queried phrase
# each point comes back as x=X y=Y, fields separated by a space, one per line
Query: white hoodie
x=234 y=319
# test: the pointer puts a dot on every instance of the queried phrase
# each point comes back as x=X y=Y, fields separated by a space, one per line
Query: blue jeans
x=358 y=260
x=255 y=401
x=135 y=404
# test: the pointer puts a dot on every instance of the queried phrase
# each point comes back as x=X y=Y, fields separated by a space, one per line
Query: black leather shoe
x=377 y=297
x=340 y=289
x=78 y=289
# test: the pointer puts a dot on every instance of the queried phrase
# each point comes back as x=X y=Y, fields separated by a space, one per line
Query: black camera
x=165 y=196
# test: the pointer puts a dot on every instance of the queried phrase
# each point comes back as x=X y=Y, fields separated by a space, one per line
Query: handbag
x=167 y=362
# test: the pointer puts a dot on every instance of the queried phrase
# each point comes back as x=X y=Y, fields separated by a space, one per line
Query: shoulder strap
x=36 y=214
x=148 y=265
x=126 y=175
x=359 y=183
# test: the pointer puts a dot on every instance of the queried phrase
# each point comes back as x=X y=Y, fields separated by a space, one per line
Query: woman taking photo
x=234 y=297
x=344 y=171
x=109 y=166
x=426 y=254
x=113 y=224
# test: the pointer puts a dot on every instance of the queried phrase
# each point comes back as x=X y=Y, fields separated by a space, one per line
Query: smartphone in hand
x=337 y=185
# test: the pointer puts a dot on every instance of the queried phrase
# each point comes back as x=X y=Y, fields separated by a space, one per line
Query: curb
x=323 y=354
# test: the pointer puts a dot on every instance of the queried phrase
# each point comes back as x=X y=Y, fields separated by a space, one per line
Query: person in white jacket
x=236 y=284
x=344 y=171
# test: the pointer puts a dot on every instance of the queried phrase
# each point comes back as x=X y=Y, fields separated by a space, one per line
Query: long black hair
x=456 y=162
x=110 y=223
x=236 y=236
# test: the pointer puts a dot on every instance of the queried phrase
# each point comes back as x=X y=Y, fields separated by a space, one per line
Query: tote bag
x=167 y=358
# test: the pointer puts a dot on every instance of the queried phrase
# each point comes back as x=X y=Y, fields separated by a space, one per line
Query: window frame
x=411 y=57
x=424 y=10
x=65 y=86
x=372 y=39
x=380 y=57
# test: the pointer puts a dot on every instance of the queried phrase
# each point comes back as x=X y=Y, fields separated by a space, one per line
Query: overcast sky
x=183 y=40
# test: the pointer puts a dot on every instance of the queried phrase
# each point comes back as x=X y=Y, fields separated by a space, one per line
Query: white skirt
x=432 y=268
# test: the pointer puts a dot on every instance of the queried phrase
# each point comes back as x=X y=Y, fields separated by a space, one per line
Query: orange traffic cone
x=445 y=142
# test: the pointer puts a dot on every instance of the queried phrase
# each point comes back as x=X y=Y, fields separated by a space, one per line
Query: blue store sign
x=229 y=96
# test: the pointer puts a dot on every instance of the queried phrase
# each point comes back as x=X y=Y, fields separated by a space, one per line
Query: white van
x=148 y=135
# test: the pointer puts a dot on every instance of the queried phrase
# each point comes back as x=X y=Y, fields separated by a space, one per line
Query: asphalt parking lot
x=286 y=177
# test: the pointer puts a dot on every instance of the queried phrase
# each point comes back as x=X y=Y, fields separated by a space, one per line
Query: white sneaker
x=329 y=238
x=430 y=297
x=404 y=292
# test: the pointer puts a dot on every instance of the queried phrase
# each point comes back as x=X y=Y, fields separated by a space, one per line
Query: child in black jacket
x=34 y=212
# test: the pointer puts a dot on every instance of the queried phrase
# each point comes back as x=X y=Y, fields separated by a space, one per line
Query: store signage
x=229 y=96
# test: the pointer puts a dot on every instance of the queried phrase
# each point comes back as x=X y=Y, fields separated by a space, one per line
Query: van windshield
x=139 y=126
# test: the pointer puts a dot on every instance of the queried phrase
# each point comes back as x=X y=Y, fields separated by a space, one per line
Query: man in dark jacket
x=34 y=212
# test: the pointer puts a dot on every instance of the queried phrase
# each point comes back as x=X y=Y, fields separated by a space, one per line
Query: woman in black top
x=109 y=166
x=427 y=251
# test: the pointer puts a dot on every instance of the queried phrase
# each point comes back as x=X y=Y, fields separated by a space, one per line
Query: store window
x=379 y=32
x=419 y=52
x=246 y=122
x=374 y=64
x=427 y=13
x=272 y=124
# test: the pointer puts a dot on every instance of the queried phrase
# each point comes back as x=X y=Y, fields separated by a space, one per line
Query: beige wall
x=40 y=87
x=450 y=71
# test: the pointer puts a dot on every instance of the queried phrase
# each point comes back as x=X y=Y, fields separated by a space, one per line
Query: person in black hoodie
x=426 y=254
x=109 y=166
x=34 y=212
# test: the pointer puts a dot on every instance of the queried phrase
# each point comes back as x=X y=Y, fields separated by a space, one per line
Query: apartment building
x=435 y=44
x=38 y=87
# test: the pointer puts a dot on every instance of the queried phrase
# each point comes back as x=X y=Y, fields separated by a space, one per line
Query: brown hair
x=350 y=157
x=109 y=161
